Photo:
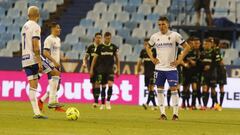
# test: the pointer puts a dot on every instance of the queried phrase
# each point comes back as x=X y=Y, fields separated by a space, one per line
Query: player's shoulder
x=156 y=34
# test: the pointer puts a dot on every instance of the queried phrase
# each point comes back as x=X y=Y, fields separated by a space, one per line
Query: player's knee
x=33 y=84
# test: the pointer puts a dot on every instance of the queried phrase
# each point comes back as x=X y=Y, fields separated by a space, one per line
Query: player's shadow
x=209 y=122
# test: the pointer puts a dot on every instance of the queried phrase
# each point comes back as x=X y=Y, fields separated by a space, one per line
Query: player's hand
x=57 y=65
x=84 y=65
x=175 y=63
x=40 y=67
x=155 y=61
x=91 y=73
x=207 y=67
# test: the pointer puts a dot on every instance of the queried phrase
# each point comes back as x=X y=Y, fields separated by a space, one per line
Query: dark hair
x=53 y=24
x=106 y=34
x=146 y=39
x=208 y=40
x=98 y=34
x=163 y=18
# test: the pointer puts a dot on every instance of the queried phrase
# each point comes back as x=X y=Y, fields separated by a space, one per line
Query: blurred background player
x=33 y=63
x=205 y=4
x=91 y=50
x=148 y=73
x=209 y=77
x=52 y=52
x=166 y=63
x=104 y=59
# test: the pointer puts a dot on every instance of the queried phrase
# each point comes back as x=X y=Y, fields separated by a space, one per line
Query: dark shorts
x=187 y=77
x=205 y=4
x=222 y=76
x=208 y=79
x=103 y=78
x=149 y=80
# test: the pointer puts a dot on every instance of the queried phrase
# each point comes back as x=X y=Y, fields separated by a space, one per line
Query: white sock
x=53 y=89
x=45 y=96
x=33 y=100
x=161 y=98
x=175 y=102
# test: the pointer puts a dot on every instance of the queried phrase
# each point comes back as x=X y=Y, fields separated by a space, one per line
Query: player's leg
x=172 y=78
x=147 y=83
x=45 y=96
x=101 y=79
x=205 y=96
x=168 y=97
x=223 y=81
x=32 y=75
x=96 y=89
x=151 y=92
x=194 y=95
x=110 y=79
x=160 y=78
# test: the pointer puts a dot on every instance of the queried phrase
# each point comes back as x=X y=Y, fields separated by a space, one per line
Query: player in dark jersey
x=104 y=59
x=149 y=68
x=220 y=72
x=209 y=78
x=89 y=55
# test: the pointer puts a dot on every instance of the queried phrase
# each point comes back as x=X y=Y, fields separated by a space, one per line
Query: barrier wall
x=76 y=88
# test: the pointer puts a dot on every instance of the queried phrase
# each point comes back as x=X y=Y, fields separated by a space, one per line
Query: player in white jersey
x=52 y=52
x=32 y=62
x=165 y=42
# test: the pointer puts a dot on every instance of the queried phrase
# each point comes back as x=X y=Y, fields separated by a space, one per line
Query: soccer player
x=166 y=63
x=52 y=51
x=209 y=78
x=104 y=59
x=148 y=73
x=90 y=54
x=32 y=62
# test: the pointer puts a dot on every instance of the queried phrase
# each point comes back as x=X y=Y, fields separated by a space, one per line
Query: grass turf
x=16 y=119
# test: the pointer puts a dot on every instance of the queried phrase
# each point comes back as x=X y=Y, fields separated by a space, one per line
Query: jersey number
x=24 y=39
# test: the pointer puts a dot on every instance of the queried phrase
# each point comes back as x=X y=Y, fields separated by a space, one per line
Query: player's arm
x=185 y=51
x=85 y=58
x=47 y=53
x=117 y=62
x=36 y=48
x=139 y=64
x=150 y=54
x=93 y=65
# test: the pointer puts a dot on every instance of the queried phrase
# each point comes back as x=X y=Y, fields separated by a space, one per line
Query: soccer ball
x=72 y=113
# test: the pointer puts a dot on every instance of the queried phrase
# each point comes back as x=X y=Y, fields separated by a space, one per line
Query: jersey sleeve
x=151 y=42
x=36 y=32
x=141 y=55
x=47 y=44
x=88 y=50
x=179 y=39
x=115 y=49
x=98 y=51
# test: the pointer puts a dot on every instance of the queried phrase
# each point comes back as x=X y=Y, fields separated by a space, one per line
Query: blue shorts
x=32 y=71
x=170 y=76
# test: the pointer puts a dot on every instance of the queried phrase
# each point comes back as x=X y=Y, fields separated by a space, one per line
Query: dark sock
x=221 y=97
x=199 y=97
x=152 y=98
x=103 y=94
x=148 y=98
x=205 y=96
x=168 y=97
x=188 y=97
x=194 y=96
x=96 y=93
x=183 y=98
x=109 y=93
x=214 y=99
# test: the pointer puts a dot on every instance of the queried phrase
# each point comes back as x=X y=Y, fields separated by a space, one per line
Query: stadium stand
x=129 y=21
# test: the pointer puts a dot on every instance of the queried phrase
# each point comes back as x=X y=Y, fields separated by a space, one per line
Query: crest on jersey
x=111 y=47
x=169 y=38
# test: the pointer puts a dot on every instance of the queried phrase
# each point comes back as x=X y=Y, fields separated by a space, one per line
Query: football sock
x=53 y=89
x=183 y=98
x=175 y=101
x=152 y=97
x=33 y=100
x=194 y=96
x=103 y=94
x=109 y=93
x=96 y=93
x=161 y=97
x=221 y=97
x=45 y=96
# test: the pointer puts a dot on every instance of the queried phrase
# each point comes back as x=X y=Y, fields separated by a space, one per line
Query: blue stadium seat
x=44 y=14
x=7 y=21
x=93 y=15
x=2 y=11
x=115 y=8
x=117 y=40
x=13 y=13
x=116 y=24
x=78 y=47
x=79 y=31
x=86 y=23
x=7 y=36
x=130 y=8
x=137 y=49
x=153 y=17
x=91 y=31
x=132 y=57
x=73 y=55
x=122 y=2
x=145 y=9
x=135 y=2
x=137 y=17
x=13 y=29
x=108 y=16
x=38 y=3
x=123 y=32
x=131 y=41
x=2 y=28
x=130 y=24
x=108 y=1
x=100 y=7
x=71 y=39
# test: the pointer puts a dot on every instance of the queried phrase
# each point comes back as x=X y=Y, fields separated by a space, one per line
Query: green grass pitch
x=16 y=119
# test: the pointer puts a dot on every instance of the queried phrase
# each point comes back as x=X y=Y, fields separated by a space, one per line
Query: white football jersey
x=53 y=44
x=29 y=31
x=166 y=48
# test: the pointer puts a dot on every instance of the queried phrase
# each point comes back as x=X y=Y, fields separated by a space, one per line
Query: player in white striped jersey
x=32 y=62
x=166 y=61
x=52 y=52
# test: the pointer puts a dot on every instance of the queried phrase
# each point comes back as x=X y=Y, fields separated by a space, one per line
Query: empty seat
x=150 y=2
x=130 y=24
x=122 y=2
x=146 y=25
x=2 y=28
x=93 y=15
x=117 y=40
x=79 y=31
x=108 y=16
x=123 y=32
x=86 y=22
x=13 y=29
x=50 y=6
x=109 y=29
x=108 y=1
x=135 y=2
x=145 y=9
x=73 y=55
x=139 y=33
x=100 y=7
x=160 y=9
x=71 y=39
x=78 y=47
x=13 y=13
x=132 y=57
x=101 y=23
x=39 y=4
x=91 y=31
x=137 y=17
x=130 y=8
x=13 y=45
x=122 y=16
x=137 y=49
x=131 y=41
x=116 y=24
x=125 y=49
x=165 y=3
x=21 y=5
x=115 y=8
x=153 y=17
x=7 y=21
